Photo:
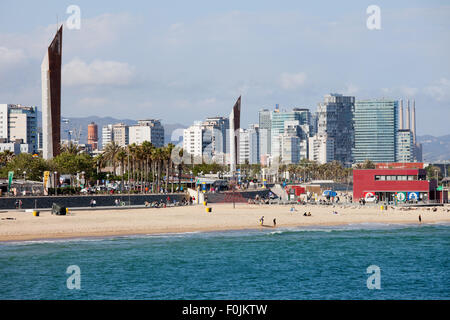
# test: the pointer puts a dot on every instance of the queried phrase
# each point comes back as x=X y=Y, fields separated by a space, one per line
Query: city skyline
x=105 y=72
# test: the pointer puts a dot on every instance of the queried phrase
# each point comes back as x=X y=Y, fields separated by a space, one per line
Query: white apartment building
x=193 y=140
x=147 y=130
x=321 y=149
x=249 y=145
x=119 y=133
x=18 y=125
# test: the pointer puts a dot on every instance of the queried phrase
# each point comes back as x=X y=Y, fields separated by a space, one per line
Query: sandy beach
x=16 y=226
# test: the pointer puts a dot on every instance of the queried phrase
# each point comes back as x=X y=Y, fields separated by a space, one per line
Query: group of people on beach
x=261 y=221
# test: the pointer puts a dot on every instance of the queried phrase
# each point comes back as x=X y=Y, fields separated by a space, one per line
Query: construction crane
x=77 y=135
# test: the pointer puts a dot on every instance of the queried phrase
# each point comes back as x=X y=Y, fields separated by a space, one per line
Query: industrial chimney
x=413 y=129
x=401 y=115
x=408 y=118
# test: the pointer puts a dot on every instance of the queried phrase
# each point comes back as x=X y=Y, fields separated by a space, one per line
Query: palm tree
x=169 y=163
x=146 y=149
x=121 y=157
x=99 y=161
x=157 y=157
x=132 y=150
x=110 y=154
x=71 y=148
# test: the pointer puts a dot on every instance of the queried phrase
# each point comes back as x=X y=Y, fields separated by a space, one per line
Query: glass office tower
x=375 y=123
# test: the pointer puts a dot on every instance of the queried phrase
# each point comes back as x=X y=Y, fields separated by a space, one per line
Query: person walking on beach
x=420 y=219
x=261 y=220
x=274 y=222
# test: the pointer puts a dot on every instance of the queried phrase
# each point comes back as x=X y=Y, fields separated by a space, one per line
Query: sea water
x=283 y=263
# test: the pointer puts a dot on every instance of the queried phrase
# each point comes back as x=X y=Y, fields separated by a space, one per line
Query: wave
x=345 y=228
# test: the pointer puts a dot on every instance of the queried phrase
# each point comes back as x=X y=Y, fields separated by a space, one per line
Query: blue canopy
x=330 y=193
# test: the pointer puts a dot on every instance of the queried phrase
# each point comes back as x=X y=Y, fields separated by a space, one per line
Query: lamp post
x=54 y=179
x=437 y=183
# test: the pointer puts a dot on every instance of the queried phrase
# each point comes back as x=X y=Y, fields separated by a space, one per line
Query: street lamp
x=54 y=178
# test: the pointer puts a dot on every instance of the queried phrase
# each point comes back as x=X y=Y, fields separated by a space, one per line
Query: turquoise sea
x=282 y=263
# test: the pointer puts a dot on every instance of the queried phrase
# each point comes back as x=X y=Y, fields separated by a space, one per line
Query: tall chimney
x=400 y=119
x=413 y=129
x=408 y=118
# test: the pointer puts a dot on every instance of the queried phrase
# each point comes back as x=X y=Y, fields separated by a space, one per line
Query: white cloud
x=408 y=91
x=93 y=102
x=10 y=57
x=290 y=81
x=99 y=72
x=440 y=91
x=401 y=91
x=351 y=89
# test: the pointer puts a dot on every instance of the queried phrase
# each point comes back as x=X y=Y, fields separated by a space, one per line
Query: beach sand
x=25 y=226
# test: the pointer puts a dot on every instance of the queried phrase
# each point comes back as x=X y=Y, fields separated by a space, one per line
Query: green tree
x=33 y=166
x=110 y=154
x=69 y=163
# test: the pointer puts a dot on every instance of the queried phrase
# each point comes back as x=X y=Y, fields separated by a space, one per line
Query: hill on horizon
x=75 y=124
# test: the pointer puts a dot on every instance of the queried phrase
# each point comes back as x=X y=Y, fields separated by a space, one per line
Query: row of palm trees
x=143 y=164
x=311 y=170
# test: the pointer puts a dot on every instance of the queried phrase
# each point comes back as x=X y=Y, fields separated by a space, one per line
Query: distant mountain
x=435 y=149
x=74 y=125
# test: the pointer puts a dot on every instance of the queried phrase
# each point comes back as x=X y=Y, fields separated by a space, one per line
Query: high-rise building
x=290 y=148
x=207 y=139
x=107 y=135
x=405 y=146
x=265 y=127
x=92 y=138
x=303 y=116
x=235 y=125
x=215 y=130
x=147 y=130
x=249 y=145
x=51 y=97
x=18 y=125
x=335 y=120
x=119 y=133
x=321 y=149
x=193 y=140
x=375 y=123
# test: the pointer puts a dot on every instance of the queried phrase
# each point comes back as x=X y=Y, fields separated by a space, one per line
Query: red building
x=398 y=185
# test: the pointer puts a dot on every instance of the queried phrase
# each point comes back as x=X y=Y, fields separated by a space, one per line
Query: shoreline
x=102 y=236
x=176 y=220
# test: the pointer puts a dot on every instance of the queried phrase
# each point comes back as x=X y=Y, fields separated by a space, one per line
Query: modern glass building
x=303 y=116
x=335 y=120
x=375 y=123
x=265 y=126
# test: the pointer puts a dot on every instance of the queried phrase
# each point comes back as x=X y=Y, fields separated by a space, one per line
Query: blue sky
x=181 y=61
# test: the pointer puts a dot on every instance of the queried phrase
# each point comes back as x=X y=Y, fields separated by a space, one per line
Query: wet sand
x=98 y=223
